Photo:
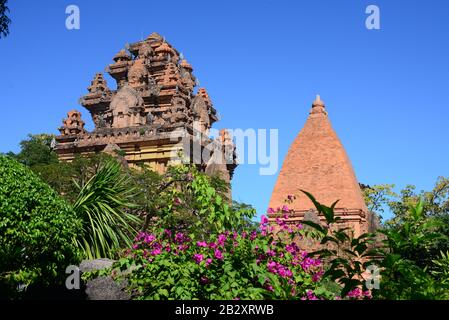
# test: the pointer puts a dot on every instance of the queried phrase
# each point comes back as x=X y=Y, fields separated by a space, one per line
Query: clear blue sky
x=262 y=62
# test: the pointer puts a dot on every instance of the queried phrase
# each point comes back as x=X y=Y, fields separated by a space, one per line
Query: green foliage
x=441 y=268
x=67 y=177
x=347 y=257
x=36 y=150
x=377 y=197
x=102 y=205
x=190 y=201
x=4 y=19
x=37 y=228
x=409 y=231
x=408 y=271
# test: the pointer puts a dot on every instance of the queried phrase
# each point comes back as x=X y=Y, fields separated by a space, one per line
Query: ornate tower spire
x=317 y=162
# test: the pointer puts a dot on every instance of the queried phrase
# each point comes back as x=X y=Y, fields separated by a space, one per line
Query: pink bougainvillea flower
x=292 y=248
x=253 y=235
x=311 y=295
x=156 y=252
x=139 y=236
x=270 y=210
x=198 y=258
x=208 y=261
x=135 y=246
x=221 y=239
x=202 y=244
x=149 y=238
x=212 y=245
x=280 y=222
x=218 y=254
x=181 y=238
x=356 y=293
x=263 y=219
x=271 y=253
x=317 y=276
x=271 y=266
x=367 y=294
x=167 y=232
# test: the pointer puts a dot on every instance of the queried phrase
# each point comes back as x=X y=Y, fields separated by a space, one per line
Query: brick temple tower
x=150 y=115
x=317 y=163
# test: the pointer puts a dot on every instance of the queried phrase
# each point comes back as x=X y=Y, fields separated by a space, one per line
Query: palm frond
x=102 y=204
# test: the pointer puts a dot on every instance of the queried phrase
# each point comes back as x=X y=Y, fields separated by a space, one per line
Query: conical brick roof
x=317 y=162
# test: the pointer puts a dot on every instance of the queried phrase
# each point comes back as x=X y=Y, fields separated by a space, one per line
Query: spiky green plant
x=102 y=205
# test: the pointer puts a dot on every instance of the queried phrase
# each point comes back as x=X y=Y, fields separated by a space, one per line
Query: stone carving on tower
x=154 y=96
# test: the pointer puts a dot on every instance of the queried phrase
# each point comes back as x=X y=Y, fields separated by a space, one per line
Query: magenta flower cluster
x=359 y=294
x=268 y=247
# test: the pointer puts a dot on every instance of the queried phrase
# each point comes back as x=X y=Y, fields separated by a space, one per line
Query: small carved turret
x=154 y=37
x=203 y=93
x=98 y=84
x=121 y=56
x=73 y=124
x=118 y=70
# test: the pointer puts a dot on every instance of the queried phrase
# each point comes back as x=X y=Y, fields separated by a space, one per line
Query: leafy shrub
x=189 y=201
x=37 y=229
x=405 y=273
x=227 y=265
x=346 y=256
x=68 y=177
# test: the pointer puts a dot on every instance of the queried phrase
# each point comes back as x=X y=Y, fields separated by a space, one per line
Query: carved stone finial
x=318 y=106
x=318 y=101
